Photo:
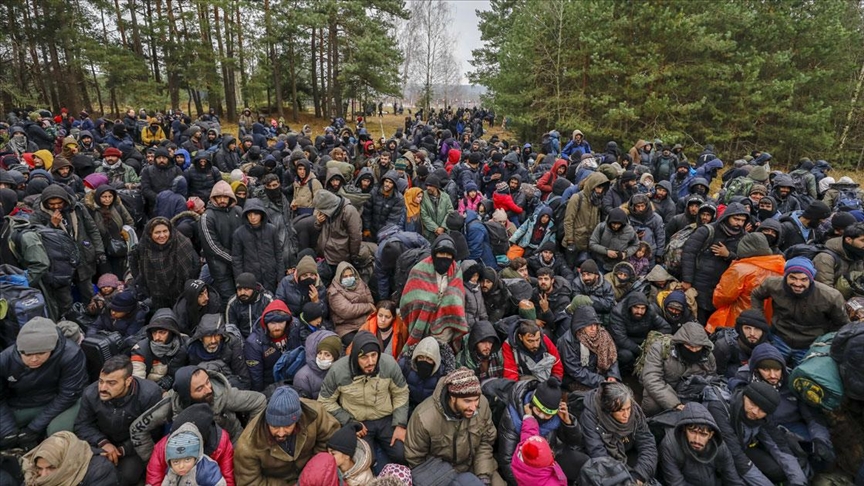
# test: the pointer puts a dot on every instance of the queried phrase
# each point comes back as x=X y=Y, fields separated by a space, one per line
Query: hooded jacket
x=493 y=365
x=498 y=300
x=205 y=472
x=420 y=388
x=309 y=378
x=187 y=311
x=342 y=232
x=157 y=178
x=145 y=363
x=582 y=215
x=664 y=369
x=544 y=183
x=628 y=333
x=648 y=225
x=682 y=466
x=601 y=294
x=349 y=394
x=115 y=212
x=581 y=372
x=433 y=215
x=202 y=179
x=832 y=265
x=261 y=352
x=520 y=364
x=227 y=160
x=697 y=252
x=381 y=210
x=172 y=201
x=217 y=226
x=227 y=360
x=256 y=249
x=604 y=239
x=349 y=307
x=72 y=181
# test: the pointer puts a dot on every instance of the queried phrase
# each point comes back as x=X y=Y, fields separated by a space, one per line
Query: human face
x=855 y=242
x=544 y=219
x=385 y=318
x=163 y=161
x=44 y=468
x=706 y=217
x=693 y=209
x=640 y=207
x=324 y=355
x=737 y=222
x=55 y=203
x=117 y=314
x=160 y=234
x=692 y=348
x=245 y=294
x=783 y=191
x=368 y=362
x=211 y=343
x=769 y=232
x=301 y=171
x=698 y=436
x=751 y=334
x=752 y=411
x=203 y=297
x=182 y=466
x=486 y=285
x=589 y=279
x=484 y=348
x=254 y=218
x=107 y=198
x=64 y=171
x=35 y=360
x=756 y=197
x=276 y=329
x=798 y=282
x=532 y=341
x=160 y=336
x=384 y=159
x=623 y=416
x=544 y=282
x=514 y=184
x=114 y=385
x=523 y=271
x=387 y=185
x=200 y=388
x=615 y=226
x=637 y=311
x=592 y=329
x=222 y=201
x=418 y=198
x=342 y=460
x=770 y=376
x=465 y=407
x=661 y=192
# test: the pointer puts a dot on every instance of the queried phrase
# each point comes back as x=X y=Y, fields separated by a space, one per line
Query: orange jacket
x=400 y=334
x=732 y=294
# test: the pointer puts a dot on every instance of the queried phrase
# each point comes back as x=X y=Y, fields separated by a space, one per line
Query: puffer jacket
x=226 y=159
x=349 y=308
x=465 y=443
x=601 y=294
x=697 y=253
x=310 y=377
x=342 y=232
x=145 y=363
x=648 y=225
x=581 y=372
x=260 y=460
x=56 y=385
x=261 y=352
x=202 y=179
x=381 y=210
x=604 y=239
x=256 y=249
x=350 y=395
x=629 y=333
x=799 y=320
x=157 y=178
x=664 y=368
x=227 y=360
x=683 y=467
x=171 y=202
x=559 y=435
x=498 y=300
x=525 y=232
x=245 y=315
x=290 y=293
x=833 y=264
x=420 y=388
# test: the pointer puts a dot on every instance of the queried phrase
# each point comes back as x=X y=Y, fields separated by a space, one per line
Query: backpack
x=289 y=364
x=18 y=303
x=605 y=471
x=809 y=251
x=404 y=264
x=62 y=250
x=847 y=350
x=133 y=201
x=675 y=249
x=650 y=339
x=816 y=380
x=728 y=334
x=801 y=188
x=847 y=197
x=739 y=186
x=498 y=238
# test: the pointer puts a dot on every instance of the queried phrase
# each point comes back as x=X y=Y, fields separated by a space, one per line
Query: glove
x=28 y=439
x=101 y=259
x=9 y=442
x=824 y=451
x=578 y=301
x=166 y=382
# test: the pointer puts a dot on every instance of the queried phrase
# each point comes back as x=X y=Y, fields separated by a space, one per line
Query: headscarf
x=66 y=452
x=412 y=209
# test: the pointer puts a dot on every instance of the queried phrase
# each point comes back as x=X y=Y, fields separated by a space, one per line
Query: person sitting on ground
x=322 y=348
x=162 y=352
x=733 y=347
x=187 y=463
x=354 y=457
x=586 y=334
x=64 y=459
x=214 y=348
x=529 y=352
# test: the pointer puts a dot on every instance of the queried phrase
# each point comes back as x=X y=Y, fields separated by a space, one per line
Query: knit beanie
x=759 y=189
x=246 y=280
x=196 y=204
x=123 y=302
x=397 y=471
x=182 y=444
x=463 y=383
x=800 y=265
x=311 y=311
x=763 y=395
x=344 y=440
x=589 y=266
x=112 y=152
x=433 y=181
x=284 y=409
x=108 y=280
x=547 y=396
x=842 y=220
x=752 y=317
x=560 y=185
x=817 y=210
x=499 y=216
x=536 y=453
x=628 y=176
x=332 y=344
x=306 y=265
x=39 y=335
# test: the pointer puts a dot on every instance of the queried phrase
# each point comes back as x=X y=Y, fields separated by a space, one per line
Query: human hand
x=526 y=409
x=544 y=302
x=28 y=439
x=440 y=231
x=398 y=434
x=313 y=293
x=679 y=407
x=563 y=413
x=612 y=254
x=320 y=217
x=720 y=250
x=362 y=433
x=611 y=379
x=56 y=218
x=111 y=453
x=686 y=286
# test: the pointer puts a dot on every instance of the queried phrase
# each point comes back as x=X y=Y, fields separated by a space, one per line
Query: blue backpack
x=18 y=303
x=289 y=364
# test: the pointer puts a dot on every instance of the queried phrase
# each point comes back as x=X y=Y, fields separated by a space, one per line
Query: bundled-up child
x=533 y=461
x=471 y=200
x=641 y=260
x=109 y=286
x=187 y=463
x=353 y=457
x=125 y=316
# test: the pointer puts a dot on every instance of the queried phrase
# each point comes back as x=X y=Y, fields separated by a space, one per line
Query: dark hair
x=853 y=231
x=527 y=327
x=545 y=271
x=517 y=263
x=613 y=396
x=387 y=304
x=267 y=179
x=119 y=362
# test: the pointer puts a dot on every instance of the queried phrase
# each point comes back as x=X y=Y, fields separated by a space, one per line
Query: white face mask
x=324 y=364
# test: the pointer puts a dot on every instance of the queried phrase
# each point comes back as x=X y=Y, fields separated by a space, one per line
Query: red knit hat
x=112 y=152
x=536 y=452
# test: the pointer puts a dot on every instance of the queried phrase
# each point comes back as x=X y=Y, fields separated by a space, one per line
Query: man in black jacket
x=108 y=408
x=496 y=296
x=215 y=349
x=632 y=320
x=247 y=305
x=158 y=177
x=42 y=376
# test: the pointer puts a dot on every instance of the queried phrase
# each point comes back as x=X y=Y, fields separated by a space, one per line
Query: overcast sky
x=465 y=29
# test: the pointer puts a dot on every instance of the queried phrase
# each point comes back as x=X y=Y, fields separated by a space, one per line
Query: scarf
x=113 y=167
x=426 y=311
x=601 y=345
x=165 y=268
x=412 y=209
x=69 y=454
x=169 y=349
x=18 y=145
x=616 y=432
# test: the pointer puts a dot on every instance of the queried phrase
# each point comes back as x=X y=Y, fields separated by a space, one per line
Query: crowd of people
x=185 y=306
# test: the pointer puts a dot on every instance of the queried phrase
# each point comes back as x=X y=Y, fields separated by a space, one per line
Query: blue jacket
x=582 y=147
x=291 y=294
x=386 y=236
x=479 y=246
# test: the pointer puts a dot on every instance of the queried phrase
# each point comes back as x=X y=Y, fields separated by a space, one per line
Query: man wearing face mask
x=800 y=226
x=673 y=308
x=712 y=248
x=766 y=208
x=772 y=230
x=845 y=254
x=247 y=305
x=804 y=309
x=620 y=192
x=303 y=286
x=423 y=370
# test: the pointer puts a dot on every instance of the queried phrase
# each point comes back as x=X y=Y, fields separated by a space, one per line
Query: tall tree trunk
x=120 y=24
x=96 y=86
x=243 y=78
x=136 y=32
x=314 y=59
x=337 y=83
x=231 y=66
x=154 y=54
x=274 y=58
x=324 y=77
x=38 y=77
x=292 y=67
x=170 y=57
x=214 y=95
x=230 y=101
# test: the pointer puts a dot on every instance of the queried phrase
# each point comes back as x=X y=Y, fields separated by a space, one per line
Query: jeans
x=793 y=356
x=378 y=434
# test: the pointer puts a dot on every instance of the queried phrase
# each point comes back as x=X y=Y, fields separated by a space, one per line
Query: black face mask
x=442 y=264
x=764 y=214
x=688 y=356
x=424 y=369
x=814 y=224
x=273 y=194
x=853 y=251
x=306 y=282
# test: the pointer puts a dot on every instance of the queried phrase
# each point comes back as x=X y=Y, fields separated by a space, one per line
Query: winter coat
x=518 y=364
x=581 y=372
x=305 y=190
x=697 y=253
x=601 y=294
x=227 y=360
x=202 y=179
x=156 y=178
x=664 y=369
x=433 y=215
x=498 y=300
x=100 y=421
x=56 y=385
x=350 y=395
x=227 y=160
x=479 y=246
x=664 y=207
x=799 y=320
x=171 y=202
x=381 y=210
x=308 y=380
x=421 y=388
x=145 y=363
x=349 y=308
x=223 y=456
x=651 y=227
x=544 y=183
x=116 y=212
x=582 y=216
x=245 y=315
x=128 y=326
x=681 y=466
x=522 y=236
x=227 y=403
x=629 y=333
x=188 y=319
x=217 y=226
x=558 y=265
x=732 y=293
x=290 y=293
x=836 y=263
x=256 y=249
x=603 y=239
x=493 y=365
x=261 y=352
x=341 y=233
x=464 y=443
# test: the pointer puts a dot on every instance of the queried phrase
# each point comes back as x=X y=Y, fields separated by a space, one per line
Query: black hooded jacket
x=228 y=359
x=257 y=250
x=697 y=251
x=629 y=333
x=187 y=311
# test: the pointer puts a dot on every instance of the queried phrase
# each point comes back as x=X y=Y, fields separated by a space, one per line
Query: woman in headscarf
x=350 y=300
x=413 y=197
x=162 y=263
x=110 y=216
x=65 y=460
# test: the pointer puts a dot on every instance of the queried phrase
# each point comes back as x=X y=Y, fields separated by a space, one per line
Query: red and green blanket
x=424 y=311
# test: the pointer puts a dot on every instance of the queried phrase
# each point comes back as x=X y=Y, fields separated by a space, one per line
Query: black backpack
x=404 y=265
x=605 y=471
x=497 y=238
x=62 y=250
x=847 y=349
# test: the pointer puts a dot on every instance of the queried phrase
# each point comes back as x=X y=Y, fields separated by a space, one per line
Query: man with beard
x=662 y=201
x=687 y=217
x=158 y=177
x=759 y=448
x=800 y=226
x=648 y=224
x=119 y=174
x=108 y=408
x=162 y=352
x=266 y=343
x=481 y=352
x=247 y=305
x=582 y=216
x=620 y=192
x=673 y=308
x=196 y=385
x=632 y=319
x=277 y=444
x=528 y=352
x=671 y=361
x=804 y=309
x=783 y=191
x=589 y=282
x=772 y=230
x=546 y=258
x=712 y=248
x=496 y=295
x=551 y=296
x=213 y=348
x=588 y=352
x=613 y=241
x=733 y=346
x=367 y=386
x=698 y=186
x=680 y=180
x=844 y=254
x=693 y=452
x=216 y=227
x=455 y=425
x=198 y=299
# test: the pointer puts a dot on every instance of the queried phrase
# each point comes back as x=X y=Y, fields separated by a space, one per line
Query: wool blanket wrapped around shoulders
x=427 y=311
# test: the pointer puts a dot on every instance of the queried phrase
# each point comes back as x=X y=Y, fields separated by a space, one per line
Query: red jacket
x=224 y=457
x=505 y=202
x=511 y=368
x=546 y=180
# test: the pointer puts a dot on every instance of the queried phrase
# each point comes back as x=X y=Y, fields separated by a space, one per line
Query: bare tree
x=428 y=44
